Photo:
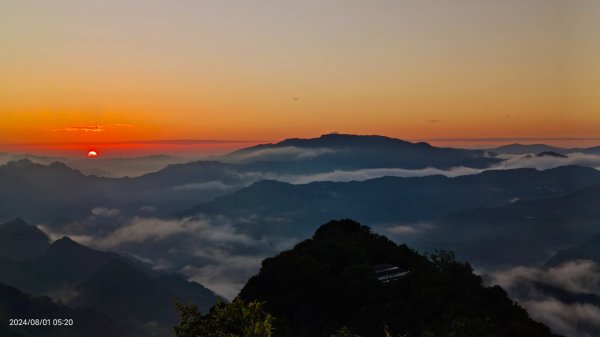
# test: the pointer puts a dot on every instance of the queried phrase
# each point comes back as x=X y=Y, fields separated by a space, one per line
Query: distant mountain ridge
x=587 y=250
x=56 y=194
x=527 y=231
x=517 y=148
x=343 y=151
x=391 y=199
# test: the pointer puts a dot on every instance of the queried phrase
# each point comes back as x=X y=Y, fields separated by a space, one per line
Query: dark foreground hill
x=329 y=282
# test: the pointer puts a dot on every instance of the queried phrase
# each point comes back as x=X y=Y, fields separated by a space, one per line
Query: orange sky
x=116 y=71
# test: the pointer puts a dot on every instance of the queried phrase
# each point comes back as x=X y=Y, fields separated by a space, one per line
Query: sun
x=92 y=154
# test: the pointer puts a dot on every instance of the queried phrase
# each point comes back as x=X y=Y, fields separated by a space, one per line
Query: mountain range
x=538 y=148
x=215 y=219
x=27 y=186
x=526 y=231
x=283 y=207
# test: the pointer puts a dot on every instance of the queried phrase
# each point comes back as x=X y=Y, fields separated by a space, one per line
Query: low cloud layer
x=409 y=229
x=210 y=251
x=366 y=174
x=566 y=297
x=548 y=162
x=278 y=154
x=105 y=212
x=208 y=186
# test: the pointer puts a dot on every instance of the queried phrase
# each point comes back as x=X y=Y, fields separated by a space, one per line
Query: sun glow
x=92 y=154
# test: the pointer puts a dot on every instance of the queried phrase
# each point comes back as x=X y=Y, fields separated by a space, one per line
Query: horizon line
x=498 y=139
x=234 y=141
x=155 y=141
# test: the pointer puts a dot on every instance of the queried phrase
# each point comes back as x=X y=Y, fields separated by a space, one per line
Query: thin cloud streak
x=92 y=128
x=80 y=129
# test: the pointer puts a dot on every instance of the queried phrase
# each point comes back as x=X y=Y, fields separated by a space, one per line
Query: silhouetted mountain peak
x=16 y=223
x=19 y=240
x=59 y=165
x=68 y=245
x=21 y=163
x=26 y=165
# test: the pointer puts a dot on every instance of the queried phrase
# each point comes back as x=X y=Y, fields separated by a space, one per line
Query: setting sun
x=92 y=154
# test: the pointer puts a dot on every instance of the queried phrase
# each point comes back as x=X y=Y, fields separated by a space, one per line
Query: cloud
x=105 y=212
x=91 y=128
x=148 y=209
x=418 y=228
x=366 y=174
x=211 y=185
x=215 y=275
x=571 y=315
x=150 y=229
x=511 y=162
x=548 y=162
x=210 y=250
x=55 y=235
x=577 y=319
x=279 y=154
x=580 y=276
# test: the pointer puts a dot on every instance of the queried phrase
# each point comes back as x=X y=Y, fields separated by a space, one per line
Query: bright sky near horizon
x=111 y=71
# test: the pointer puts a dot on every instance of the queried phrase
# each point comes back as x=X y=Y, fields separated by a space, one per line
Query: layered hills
x=79 y=277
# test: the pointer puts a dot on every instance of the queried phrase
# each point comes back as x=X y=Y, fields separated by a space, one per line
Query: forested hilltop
x=348 y=281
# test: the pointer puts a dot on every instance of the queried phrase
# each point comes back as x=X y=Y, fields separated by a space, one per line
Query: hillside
x=118 y=287
x=285 y=207
x=587 y=250
x=89 y=323
x=526 y=231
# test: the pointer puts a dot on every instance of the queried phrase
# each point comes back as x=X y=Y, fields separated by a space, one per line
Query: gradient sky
x=112 y=71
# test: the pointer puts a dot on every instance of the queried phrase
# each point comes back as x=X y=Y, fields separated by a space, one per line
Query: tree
x=236 y=319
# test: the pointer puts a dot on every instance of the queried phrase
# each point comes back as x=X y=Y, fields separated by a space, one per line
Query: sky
x=79 y=74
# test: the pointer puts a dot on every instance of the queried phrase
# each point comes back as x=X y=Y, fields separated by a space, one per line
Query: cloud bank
x=211 y=251
x=566 y=297
x=548 y=162
x=278 y=154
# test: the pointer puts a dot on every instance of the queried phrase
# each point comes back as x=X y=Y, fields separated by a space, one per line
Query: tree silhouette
x=235 y=319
